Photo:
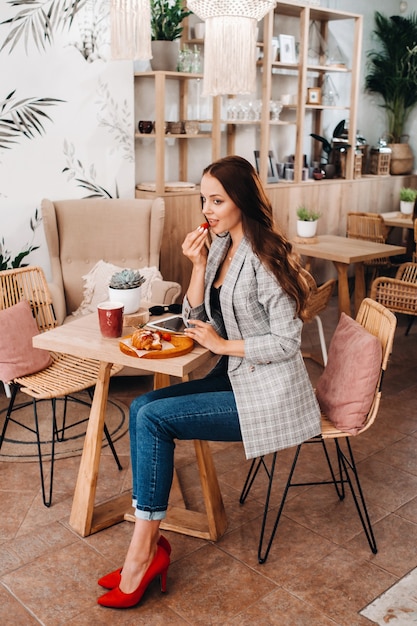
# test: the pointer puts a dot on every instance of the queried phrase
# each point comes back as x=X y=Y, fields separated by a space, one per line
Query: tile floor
x=320 y=570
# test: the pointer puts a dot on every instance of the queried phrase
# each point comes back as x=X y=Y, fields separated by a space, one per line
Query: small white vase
x=129 y=297
x=306 y=229
x=406 y=207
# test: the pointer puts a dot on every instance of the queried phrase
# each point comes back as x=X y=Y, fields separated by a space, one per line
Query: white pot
x=406 y=207
x=129 y=297
x=306 y=229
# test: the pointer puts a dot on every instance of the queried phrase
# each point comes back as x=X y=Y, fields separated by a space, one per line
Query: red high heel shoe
x=117 y=599
x=112 y=580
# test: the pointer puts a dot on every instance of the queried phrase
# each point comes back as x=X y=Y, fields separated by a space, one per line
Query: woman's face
x=219 y=209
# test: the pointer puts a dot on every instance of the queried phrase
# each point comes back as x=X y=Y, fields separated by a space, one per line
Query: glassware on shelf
x=257 y=107
x=189 y=60
x=275 y=108
x=329 y=95
x=196 y=61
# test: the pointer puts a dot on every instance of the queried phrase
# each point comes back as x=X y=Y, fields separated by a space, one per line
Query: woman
x=245 y=303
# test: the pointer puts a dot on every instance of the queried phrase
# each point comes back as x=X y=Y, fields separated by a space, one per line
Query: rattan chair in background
x=380 y=322
x=65 y=376
x=318 y=300
x=370 y=227
x=398 y=294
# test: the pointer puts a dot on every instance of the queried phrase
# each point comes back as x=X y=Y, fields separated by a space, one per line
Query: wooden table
x=343 y=251
x=82 y=338
x=396 y=219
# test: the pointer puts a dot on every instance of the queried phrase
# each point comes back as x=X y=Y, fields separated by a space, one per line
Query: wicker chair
x=65 y=376
x=368 y=226
x=398 y=294
x=317 y=302
x=379 y=321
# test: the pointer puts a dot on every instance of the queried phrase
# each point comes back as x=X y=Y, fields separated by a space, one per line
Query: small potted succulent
x=307 y=222
x=125 y=286
x=407 y=200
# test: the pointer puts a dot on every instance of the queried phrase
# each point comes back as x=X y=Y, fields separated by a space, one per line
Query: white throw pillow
x=97 y=280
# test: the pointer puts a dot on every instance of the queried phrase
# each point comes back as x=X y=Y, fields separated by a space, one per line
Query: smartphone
x=173 y=324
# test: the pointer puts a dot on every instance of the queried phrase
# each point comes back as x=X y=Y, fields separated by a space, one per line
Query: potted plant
x=392 y=73
x=125 y=286
x=166 y=29
x=9 y=261
x=307 y=222
x=407 y=199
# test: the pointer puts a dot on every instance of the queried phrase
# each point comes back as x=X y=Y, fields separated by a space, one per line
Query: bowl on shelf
x=191 y=127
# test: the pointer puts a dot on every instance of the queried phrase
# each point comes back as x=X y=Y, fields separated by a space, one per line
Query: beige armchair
x=79 y=233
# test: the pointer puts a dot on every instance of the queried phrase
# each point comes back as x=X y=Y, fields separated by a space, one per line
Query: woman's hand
x=194 y=246
x=204 y=334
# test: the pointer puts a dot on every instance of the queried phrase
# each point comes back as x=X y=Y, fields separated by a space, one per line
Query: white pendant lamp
x=131 y=29
x=230 y=43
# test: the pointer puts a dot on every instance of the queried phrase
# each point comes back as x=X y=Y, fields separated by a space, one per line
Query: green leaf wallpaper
x=66 y=113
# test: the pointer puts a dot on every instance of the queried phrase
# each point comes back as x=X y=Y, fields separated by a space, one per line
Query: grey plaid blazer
x=276 y=403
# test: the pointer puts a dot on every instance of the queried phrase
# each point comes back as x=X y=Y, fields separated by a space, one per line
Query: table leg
x=81 y=518
x=360 y=286
x=87 y=519
x=343 y=287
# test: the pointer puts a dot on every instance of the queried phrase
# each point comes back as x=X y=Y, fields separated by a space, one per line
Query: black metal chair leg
x=47 y=499
x=112 y=448
x=263 y=557
x=348 y=463
x=410 y=323
x=250 y=478
x=14 y=390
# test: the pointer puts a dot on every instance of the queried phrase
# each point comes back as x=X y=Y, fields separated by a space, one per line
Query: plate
x=181 y=345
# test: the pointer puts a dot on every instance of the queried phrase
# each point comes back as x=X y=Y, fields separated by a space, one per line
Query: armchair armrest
x=397 y=295
x=165 y=291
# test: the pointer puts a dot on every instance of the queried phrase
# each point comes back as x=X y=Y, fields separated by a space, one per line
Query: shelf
x=175 y=135
x=169 y=75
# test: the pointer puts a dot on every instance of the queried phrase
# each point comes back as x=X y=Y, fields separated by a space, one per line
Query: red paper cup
x=110 y=317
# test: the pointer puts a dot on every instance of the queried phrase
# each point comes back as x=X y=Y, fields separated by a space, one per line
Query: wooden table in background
x=396 y=219
x=82 y=338
x=343 y=251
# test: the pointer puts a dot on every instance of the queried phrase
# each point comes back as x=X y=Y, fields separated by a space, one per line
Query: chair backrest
x=79 y=233
x=368 y=226
x=415 y=240
x=380 y=322
x=407 y=272
x=28 y=283
x=319 y=296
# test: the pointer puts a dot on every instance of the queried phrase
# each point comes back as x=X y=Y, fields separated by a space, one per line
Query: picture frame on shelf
x=314 y=95
x=287 y=49
x=272 y=175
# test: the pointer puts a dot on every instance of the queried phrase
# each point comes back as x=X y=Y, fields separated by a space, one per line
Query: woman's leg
x=140 y=554
x=209 y=384
x=203 y=409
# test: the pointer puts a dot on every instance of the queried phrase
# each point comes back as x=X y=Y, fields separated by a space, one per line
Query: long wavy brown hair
x=242 y=184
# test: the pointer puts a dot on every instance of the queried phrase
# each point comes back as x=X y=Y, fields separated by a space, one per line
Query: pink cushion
x=17 y=355
x=346 y=388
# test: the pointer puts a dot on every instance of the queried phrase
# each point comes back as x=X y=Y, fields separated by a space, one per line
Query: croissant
x=146 y=340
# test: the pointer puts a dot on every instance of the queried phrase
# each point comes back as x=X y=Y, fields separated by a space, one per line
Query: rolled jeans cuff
x=150 y=515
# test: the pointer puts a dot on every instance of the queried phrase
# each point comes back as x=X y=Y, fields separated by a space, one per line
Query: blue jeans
x=200 y=409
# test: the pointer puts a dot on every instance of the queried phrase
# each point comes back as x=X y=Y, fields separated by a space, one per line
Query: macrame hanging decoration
x=230 y=43
x=131 y=29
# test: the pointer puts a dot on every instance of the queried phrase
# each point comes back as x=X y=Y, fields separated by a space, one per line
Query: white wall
x=91 y=131
x=86 y=146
